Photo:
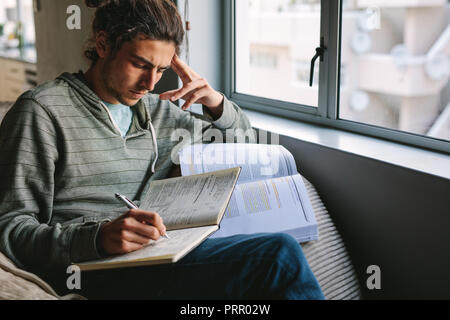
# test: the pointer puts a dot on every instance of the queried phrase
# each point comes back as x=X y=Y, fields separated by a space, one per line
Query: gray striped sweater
x=62 y=160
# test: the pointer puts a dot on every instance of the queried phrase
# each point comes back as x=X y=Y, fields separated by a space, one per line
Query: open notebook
x=191 y=207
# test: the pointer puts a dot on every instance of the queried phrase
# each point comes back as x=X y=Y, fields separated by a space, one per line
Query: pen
x=131 y=205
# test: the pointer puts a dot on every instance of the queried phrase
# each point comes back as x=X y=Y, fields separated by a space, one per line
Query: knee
x=294 y=271
x=286 y=246
x=277 y=247
x=273 y=247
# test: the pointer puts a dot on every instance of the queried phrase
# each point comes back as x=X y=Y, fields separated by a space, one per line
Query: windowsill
x=417 y=159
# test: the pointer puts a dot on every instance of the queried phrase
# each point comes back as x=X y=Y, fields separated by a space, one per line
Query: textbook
x=191 y=208
x=270 y=195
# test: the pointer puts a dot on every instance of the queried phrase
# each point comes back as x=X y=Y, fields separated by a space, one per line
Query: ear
x=101 y=44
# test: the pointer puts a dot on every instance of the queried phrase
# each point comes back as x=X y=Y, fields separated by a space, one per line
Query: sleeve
x=29 y=149
x=232 y=126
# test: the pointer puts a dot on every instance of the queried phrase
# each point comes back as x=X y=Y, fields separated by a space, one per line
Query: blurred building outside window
x=395 y=66
x=16 y=24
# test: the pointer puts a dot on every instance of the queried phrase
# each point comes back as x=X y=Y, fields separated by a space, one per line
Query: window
x=16 y=23
x=274 y=40
x=385 y=70
x=398 y=65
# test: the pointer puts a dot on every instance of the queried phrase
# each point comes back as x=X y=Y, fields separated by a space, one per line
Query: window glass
x=275 y=42
x=395 y=65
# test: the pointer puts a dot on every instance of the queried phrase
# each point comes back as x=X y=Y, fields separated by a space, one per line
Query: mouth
x=137 y=94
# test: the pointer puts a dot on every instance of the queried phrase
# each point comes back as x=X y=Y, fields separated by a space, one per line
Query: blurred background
x=394 y=59
x=17 y=50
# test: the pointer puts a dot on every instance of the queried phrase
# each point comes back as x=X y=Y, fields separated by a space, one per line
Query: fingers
x=185 y=90
x=181 y=69
x=145 y=223
x=136 y=231
x=197 y=95
x=195 y=88
x=123 y=246
x=191 y=93
x=168 y=94
x=136 y=238
x=113 y=238
x=182 y=66
x=131 y=231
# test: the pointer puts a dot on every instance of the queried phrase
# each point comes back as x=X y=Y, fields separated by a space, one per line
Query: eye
x=138 y=65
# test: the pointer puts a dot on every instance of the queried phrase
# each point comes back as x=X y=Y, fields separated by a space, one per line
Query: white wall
x=58 y=48
x=205 y=42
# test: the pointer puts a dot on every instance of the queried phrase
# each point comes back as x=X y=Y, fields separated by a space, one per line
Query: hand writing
x=130 y=232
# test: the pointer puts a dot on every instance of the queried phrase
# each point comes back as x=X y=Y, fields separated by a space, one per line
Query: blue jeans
x=257 y=266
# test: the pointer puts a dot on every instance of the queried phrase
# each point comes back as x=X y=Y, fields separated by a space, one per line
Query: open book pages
x=258 y=161
x=270 y=196
x=192 y=201
x=157 y=252
x=272 y=205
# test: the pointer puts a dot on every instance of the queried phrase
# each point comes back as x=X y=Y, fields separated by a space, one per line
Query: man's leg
x=258 y=266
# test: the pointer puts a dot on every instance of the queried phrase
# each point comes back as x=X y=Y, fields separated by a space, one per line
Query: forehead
x=158 y=52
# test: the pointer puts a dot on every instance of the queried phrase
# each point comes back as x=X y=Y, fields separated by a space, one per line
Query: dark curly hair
x=123 y=20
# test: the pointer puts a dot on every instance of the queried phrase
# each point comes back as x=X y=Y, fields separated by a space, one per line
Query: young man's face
x=135 y=69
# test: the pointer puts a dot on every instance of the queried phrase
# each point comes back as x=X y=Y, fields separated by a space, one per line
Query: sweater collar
x=78 y=83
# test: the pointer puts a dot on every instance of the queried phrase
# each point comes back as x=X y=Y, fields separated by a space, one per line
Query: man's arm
x=29 y=154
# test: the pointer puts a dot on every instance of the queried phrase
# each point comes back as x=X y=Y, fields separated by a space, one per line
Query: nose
x=151 y=78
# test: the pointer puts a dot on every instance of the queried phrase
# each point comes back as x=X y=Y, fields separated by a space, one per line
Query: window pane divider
x=325 y=101
x=329 y=92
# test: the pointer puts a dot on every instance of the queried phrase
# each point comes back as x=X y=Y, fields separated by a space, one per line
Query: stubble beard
x=108 y=81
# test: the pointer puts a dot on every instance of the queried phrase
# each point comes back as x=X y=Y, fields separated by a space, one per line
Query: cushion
x=18 y=284
x=328 y=257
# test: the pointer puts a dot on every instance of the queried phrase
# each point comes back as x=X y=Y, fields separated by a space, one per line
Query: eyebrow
x=148 y=62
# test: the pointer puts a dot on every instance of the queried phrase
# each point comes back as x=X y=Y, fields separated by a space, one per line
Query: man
x=70 y=144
